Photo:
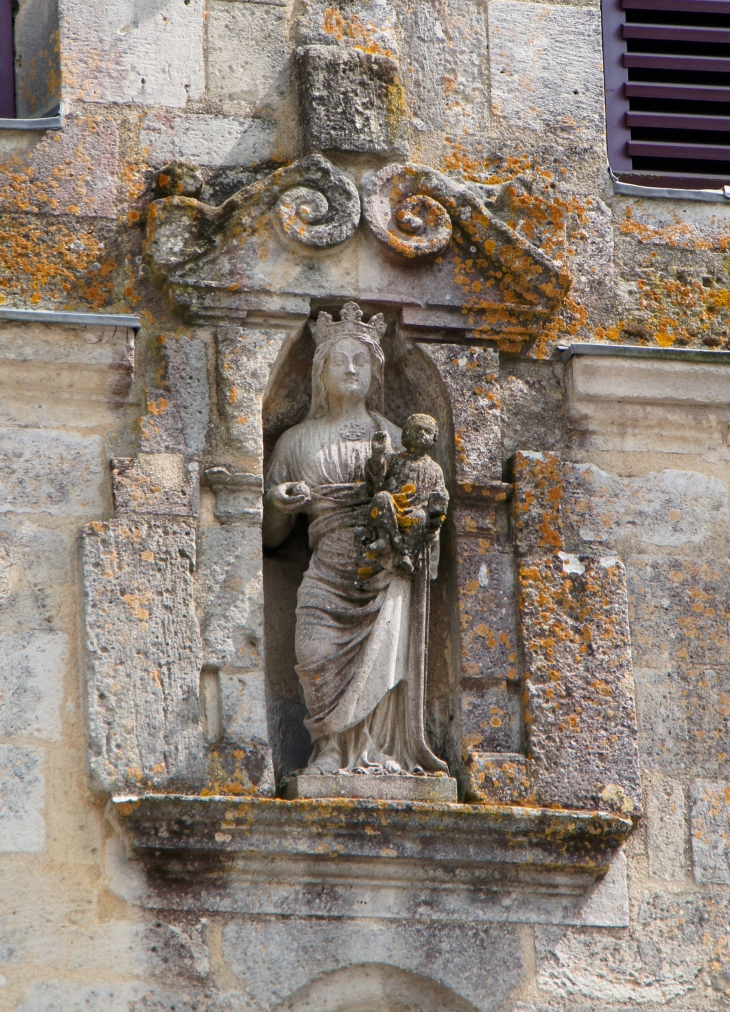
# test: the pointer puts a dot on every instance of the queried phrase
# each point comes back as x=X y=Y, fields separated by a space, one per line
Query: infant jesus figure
x=409 y=494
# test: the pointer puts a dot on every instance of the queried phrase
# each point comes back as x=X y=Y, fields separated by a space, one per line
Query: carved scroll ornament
x=314 y=204
x=416 y=212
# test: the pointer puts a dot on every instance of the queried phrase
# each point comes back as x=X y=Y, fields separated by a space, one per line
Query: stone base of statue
x=434 y=790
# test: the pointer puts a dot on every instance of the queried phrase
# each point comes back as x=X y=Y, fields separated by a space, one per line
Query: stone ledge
x=433 y=790
x=503 y=838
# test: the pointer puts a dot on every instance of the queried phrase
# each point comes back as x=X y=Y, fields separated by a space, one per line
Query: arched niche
x=412 y=384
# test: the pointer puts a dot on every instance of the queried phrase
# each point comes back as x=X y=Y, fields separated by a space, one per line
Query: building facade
x=197 y=199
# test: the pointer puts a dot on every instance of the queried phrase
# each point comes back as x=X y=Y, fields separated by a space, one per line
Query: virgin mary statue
x=360 y=639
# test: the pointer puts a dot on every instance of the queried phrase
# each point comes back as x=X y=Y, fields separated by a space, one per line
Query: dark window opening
x=30 y=72
x=667 y=74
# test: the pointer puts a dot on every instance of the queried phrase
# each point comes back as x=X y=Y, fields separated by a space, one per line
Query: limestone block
x=34 y=575
x=22 y=829
x=161 y=484
x=618 y=970
x=229 y=596
x=545 y=67
x=501 y=778
x=710 y=836
x=445 y=66
x=187 y=378
x=350 y=100
x=143 y=642
x=666 y=830
x=487 y=612
x=123 y=52
x=664 y=508
x=631 y=405
x=371 y=26
x=432 y=790
x=245 y=358
x=161 y=428
x=72 y=171
x=491 y=715
x=680 y=611
x=579 y=699
x=471 y=378
x=207 y=140
x=47 y=471
x=537 y=515
x=37 y=66
x=32 y=669
x=70 y=996
x=248 y=55
x=83 y=375
x=481 y=965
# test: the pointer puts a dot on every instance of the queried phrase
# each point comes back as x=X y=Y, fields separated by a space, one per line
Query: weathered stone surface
x=487 y=611
x=229 y=596
x=371 y=27
x=68 y=996
x=46 y=471
x=545 y=65
x=537 y=519
x=579 y=697
x=145 y=658
x=238 y=496
x=116 y=53
x=666 y=830
x=628 y=405
x=34 y=576
x=22 y=828
x=75 y=171
x=471 y=378
x=658 y=508
x=437 y=952
x=82 y=374
x=245 y=358
x=32 y=669
x=680 y=611
x=350 y=100
x=491 y=715
x=711 y=831
x=684 y=716
x=385 y=788
x=186 y=363
x=445 y=66
x=160 y=484
x=161 y=428
x=208 y=140
x=497 y=777
x=248 y=56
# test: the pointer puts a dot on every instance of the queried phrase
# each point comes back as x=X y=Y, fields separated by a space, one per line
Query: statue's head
x=420 y=433
x=348 y=361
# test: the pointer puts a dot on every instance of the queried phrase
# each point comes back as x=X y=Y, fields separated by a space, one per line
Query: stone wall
x=502 y=94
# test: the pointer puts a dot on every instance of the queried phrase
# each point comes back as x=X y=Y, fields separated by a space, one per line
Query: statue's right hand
x=291 y=497
x=379 y=443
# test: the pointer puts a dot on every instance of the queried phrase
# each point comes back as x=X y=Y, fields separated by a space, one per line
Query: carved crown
x=350 y=325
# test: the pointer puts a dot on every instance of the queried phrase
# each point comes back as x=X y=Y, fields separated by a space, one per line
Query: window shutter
x=7 y=89
x=667 y=75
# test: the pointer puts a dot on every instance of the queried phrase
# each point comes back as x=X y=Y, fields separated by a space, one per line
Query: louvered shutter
x=667 y=75
x=7 y=91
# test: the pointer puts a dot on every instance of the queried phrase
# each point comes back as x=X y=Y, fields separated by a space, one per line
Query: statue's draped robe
x=352 y=639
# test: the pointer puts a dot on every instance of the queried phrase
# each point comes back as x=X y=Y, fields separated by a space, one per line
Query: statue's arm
x=277 y=525
x=284 y=499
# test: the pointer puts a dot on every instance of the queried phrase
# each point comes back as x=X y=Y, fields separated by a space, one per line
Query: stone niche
x=195 y=714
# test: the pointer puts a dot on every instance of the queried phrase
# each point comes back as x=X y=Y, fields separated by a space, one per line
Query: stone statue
x=375 y=510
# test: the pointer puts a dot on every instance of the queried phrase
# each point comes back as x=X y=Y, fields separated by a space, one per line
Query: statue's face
x=419 y=433
x=349 y=370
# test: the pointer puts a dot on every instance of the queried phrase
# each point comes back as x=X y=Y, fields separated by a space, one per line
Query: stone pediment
x=411 y=236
